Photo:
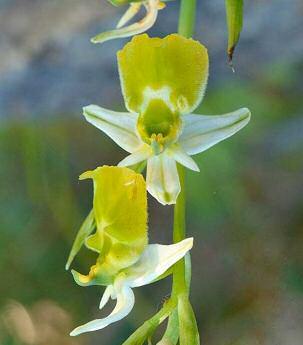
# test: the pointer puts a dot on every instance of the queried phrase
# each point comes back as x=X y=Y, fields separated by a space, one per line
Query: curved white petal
x=155 y=260
x=136 y=157
x=134 y=29
x=200 y=132
x=106 y=296
x=162 y=178
x=184 y=159
x=125 y=303
x=120 y=127
x=133 y=9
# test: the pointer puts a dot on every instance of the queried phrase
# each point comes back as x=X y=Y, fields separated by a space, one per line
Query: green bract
x=163 y=81
x=125 y=259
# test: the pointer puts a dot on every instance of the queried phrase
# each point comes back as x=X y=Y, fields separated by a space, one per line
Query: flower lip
x=158 y=125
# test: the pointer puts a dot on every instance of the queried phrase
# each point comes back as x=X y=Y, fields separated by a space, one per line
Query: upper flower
x=151 y=6
x=163 y=81
x=125 y=260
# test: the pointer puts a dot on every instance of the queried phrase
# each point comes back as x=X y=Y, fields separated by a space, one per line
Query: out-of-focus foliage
x=245 y=212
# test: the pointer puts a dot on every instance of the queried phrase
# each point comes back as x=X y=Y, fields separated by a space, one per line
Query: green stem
x=182 y=269
x=179 y=283
x=187 y=17
x=186 y=28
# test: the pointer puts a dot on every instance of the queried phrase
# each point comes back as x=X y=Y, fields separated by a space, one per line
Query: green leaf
x=188 y=329
x=86 y=229
x=234 y=16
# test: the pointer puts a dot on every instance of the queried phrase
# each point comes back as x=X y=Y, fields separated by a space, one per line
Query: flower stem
x=182 y=269
x=186 y=28
x=187 y=18
x=179 y=284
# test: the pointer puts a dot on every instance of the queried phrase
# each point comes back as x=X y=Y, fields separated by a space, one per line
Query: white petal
x=106 y=296
x=121 y=127
x=200 y=132
x=155 y=260
x=134 y=29
x=162 y=178
x=183 y=158
x=136 y=157
x=125 y=303
x=129 y=14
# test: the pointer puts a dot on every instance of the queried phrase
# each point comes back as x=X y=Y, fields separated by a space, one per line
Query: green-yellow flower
x=163 y=81
x=125 y=259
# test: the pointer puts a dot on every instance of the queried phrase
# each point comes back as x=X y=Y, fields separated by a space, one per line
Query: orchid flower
x=125 y=259
x=163 y=81
x=151 y=6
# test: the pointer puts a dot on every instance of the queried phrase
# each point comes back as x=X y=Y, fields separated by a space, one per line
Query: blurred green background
x=244 y=208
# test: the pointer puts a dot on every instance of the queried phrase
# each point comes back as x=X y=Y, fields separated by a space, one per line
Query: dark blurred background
x=244 y=208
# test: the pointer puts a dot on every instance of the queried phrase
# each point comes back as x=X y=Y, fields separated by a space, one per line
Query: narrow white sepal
x=120 y=127
x=162 y=178
x=183 y=158
x=201 y=132
x=133 y=9
x=125 y=303
x=134 y=29
x=106 y=296
x=155 y=260
x=136 y=157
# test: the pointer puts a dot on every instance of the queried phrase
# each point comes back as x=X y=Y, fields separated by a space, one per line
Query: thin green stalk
x=186 y=28
x=179 y=283
x=187 y=17
x=182 y=270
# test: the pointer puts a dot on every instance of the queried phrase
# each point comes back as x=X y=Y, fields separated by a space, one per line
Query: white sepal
x=162 y=178
x=125 y=303
x=106 y=296
x=120 y=127
x=144 y=152
x=155 y=260
x=201 y=132
x=183 y=158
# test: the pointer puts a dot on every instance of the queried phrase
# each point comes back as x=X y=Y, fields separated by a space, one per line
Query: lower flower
x=154 y=261
x=125 y=259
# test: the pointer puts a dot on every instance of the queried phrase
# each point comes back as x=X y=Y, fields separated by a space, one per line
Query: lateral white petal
x=125 y=303
x=129 y=14
x=200 y=132
x=134 y=29
x=120 y=127
x=183 y=158
x=155 y=260
x=162 y=178
x=142 y=154
x=106 y=296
